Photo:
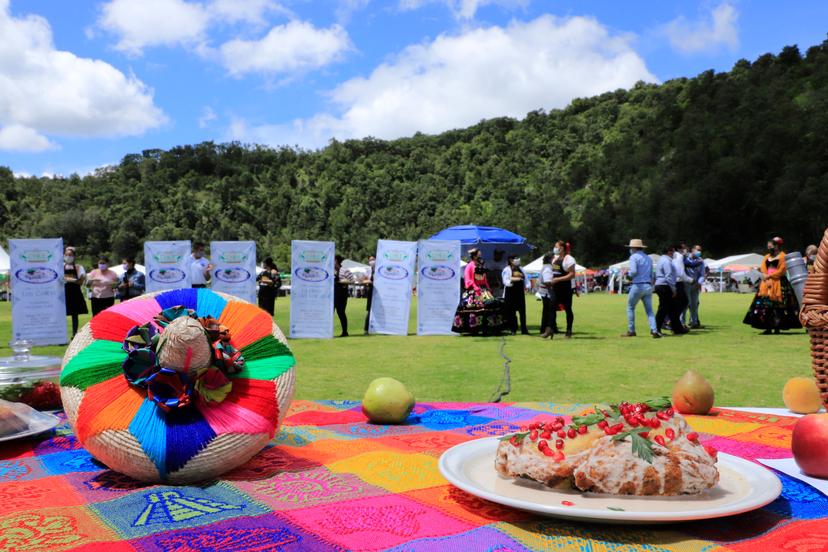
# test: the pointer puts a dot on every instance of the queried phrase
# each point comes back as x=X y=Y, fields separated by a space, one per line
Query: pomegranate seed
x=560 y=421
x=670 y=433
x=645 y=434
x=602 y=424
x=662 y=415
x=633 y=422
x=571 y=433
x=533 y=435
x=582 y=430
x=534 y=425
x=618 y=427
x=660 y=440
x=655 y=424
x=543 y=444
x=548 y=452
x=670 y=412
x=559 y=456
x=608 y=431
x=559 y=444
x=561 y=433
x=693 y=436
x=567 y=503
x=546 y=435
x=711 y=451
x=513 y=441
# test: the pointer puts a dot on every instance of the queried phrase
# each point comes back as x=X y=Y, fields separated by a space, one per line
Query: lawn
x=744 y=367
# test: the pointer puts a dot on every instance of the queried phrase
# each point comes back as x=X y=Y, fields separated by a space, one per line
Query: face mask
x=517 y=262
x=812 y=258
x=198 y=254
x=556 y=251
x=103 y=266
x=372 y=263
x=126 y=267
x=771 y=249
x=69 y=259
x=697 y=253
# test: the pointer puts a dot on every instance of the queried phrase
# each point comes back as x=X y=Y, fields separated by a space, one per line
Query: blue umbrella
x=486 y=238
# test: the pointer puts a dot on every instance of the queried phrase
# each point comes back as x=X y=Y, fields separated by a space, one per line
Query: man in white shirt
x=544 y=290
x=514 y=294
x=200 y=267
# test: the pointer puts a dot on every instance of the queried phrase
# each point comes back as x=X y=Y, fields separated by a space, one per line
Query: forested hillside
x=725 y=159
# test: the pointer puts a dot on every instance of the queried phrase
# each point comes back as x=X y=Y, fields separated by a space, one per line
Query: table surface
x=330 y=481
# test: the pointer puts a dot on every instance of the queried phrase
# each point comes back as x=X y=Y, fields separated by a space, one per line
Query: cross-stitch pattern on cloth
x=329 y=480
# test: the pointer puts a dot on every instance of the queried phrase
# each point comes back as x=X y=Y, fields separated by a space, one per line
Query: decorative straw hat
x=637 y=243
x=177 y=386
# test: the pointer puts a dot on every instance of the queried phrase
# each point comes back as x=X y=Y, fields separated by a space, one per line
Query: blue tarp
x=486 y=238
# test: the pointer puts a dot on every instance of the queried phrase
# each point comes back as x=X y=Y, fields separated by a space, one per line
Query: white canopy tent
x=358 y=269
x=742 y=261
x=535 y=267
x=625 y=265
x=119 y=269
x=5 y=260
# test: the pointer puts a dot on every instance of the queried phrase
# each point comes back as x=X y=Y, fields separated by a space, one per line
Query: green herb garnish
x=587 y=420
x=659 y=403
x=519 y=437
x=641 y=446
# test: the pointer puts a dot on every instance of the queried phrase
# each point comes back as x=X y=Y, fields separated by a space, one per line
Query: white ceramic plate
x=743 y=486
x=41 y=421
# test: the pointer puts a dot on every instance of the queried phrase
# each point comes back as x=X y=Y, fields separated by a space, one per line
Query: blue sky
x=83 y=83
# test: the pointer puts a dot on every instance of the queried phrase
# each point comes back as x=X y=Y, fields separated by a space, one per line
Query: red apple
x=810 y=444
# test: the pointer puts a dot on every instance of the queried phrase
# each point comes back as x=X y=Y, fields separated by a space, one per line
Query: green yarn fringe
x=265 y=347
x=266 y=368
x=97 y=362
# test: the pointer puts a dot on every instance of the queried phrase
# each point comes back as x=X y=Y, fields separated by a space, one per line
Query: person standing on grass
x=132 y=282
x=810 y=258
x=641 y=288
x=563 y=271
x=545 y=291
x=774 y=307
x=200 y=267
x=697 y=271
x=514 y=294
x=682 y=264
x=667 y=291
x=344 y=279
x=369 y=290
x=74 y=277
x=102 y=283
x=270 y=281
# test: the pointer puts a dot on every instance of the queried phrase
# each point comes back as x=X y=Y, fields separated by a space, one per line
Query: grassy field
x=744 y=367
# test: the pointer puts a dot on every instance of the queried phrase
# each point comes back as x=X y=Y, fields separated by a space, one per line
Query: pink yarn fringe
x=140 y=310
x=228 y=417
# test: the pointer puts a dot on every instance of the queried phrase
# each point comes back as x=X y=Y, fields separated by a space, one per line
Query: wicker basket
x=814 y=316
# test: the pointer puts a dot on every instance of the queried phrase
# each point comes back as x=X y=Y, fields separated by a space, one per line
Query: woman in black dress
x=73 y=276
x=269 y=283
x=774 y=307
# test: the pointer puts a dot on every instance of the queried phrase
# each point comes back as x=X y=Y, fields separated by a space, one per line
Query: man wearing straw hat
x=641 y=273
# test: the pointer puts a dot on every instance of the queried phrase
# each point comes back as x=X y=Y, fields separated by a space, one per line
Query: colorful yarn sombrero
x=177 y=386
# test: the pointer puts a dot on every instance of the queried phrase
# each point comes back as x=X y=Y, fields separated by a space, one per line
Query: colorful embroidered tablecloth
x=329 y=480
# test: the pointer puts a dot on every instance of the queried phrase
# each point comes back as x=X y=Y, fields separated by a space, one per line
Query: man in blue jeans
x=641 y=273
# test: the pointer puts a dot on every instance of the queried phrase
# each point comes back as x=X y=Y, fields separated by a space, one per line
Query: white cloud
x=154 y=23
x=246 y=11
x=708 y=34
x=207 y=117
x=21 y=138
x=462 y=9
x=457 y=80
x=294 y=46
x=48 y=91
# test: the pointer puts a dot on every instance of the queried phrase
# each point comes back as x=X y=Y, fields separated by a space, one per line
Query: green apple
x=387 y=401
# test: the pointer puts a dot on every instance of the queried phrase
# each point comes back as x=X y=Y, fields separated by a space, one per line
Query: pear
x=692 y=394
x=387 y=401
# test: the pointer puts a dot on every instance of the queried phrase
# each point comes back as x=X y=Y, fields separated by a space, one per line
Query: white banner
x=38 y=297
x=438 y=285
x=234 y=269
x=168 y=264
x=393 y=280
x=311 y=289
